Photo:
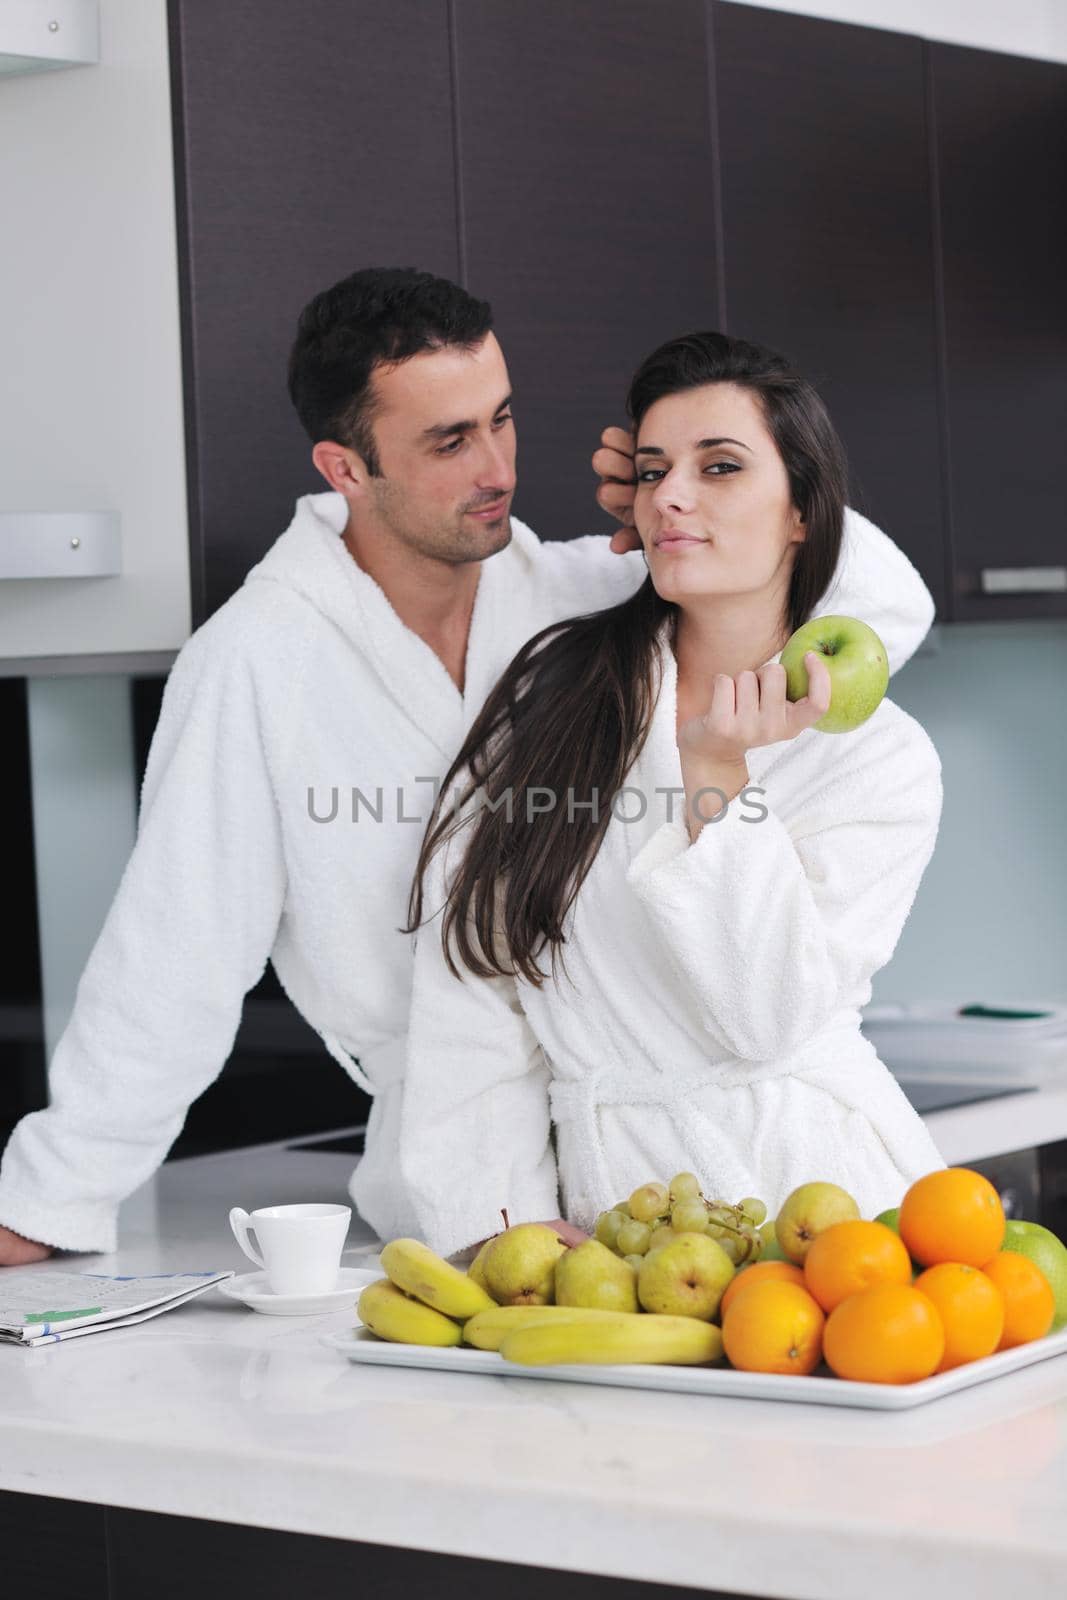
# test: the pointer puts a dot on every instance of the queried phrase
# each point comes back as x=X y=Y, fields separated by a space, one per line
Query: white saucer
x=252 y=1290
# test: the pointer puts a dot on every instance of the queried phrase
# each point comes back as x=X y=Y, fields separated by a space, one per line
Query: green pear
x=809 y=1211
x=592 y=1275
x=476 y=1270
x=1047 y=1252
x=520 y=1265
x=686 y=1278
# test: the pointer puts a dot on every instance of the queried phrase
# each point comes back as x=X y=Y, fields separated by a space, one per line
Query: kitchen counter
x=213 y=1412
x=993 y=1127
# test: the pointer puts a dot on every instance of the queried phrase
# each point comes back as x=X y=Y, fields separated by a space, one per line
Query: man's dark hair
x=376 y=316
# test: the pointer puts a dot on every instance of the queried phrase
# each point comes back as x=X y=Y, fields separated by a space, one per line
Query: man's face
x=446 y=449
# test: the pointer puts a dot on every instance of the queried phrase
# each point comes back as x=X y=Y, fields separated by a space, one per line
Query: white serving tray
x=359 y=1344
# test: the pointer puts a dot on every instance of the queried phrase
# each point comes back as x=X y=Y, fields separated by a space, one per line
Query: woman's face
x=713 y=506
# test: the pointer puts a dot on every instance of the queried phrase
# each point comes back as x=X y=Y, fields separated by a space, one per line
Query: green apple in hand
x=856 y=661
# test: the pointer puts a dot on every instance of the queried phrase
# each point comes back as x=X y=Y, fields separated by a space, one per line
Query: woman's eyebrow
x=701 y=444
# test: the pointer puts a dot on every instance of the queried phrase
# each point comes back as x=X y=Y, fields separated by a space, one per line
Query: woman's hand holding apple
x=752 y=710
x=745 y=712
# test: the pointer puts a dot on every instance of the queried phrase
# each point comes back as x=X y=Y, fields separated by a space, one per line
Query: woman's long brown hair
x=571 y=712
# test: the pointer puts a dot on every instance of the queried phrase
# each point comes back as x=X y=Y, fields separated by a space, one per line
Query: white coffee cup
x=301 y=1244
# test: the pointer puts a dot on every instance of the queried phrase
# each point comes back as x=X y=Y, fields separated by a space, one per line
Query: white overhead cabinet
x=41 y=35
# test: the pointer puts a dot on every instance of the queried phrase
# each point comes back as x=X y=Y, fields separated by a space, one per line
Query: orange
x=952 y=1215
x=775 y=1326
x=888 y=1334
x=971 y=1309
x=850 y=1256
x=1029 y=1303
x=759 y=1273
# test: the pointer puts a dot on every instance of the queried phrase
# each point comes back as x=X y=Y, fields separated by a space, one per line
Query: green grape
x=685 y=1186
x=623 y=1206
x=660 y=1237
x=650 y=1200
x=753 y=1209
x=690 y=1216
x=732 y=1245
x=723 y=1216
x=607 y=1227
x=634 y=1261
x=746 y=1246
x=715 y=1230
x=633 y=1238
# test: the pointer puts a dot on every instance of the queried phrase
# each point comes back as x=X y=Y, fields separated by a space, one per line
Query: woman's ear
x=800 y=528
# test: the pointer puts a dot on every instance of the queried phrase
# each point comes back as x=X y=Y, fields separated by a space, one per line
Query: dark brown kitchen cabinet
x=1000 y=125
x=887 y=212
x=828 y=255
x=309 y=140
x=64 y=1550
x=587 y=180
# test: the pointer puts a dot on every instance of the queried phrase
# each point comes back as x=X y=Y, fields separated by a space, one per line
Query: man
x=302 y=730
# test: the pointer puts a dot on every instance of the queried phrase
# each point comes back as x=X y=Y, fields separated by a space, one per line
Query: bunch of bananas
x=425 y=1300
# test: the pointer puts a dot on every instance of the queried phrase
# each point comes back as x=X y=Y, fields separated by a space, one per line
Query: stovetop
x=942 y=1094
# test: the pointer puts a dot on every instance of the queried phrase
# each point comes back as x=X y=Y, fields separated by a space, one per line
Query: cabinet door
x=828 y=257
x=1001 y=146
x=309 y=140
x=587 y=214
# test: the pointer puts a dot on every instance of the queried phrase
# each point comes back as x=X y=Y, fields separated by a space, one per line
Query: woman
x=673 y=980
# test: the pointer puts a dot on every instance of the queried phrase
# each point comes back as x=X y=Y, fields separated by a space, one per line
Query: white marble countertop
x=212 y=1411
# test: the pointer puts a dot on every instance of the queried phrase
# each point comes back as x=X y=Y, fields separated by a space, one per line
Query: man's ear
x=344 y=469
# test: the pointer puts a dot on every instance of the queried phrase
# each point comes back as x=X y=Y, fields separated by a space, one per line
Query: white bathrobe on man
x=283 y=806
x=709 y=1016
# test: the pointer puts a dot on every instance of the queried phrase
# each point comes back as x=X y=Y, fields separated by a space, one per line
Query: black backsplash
x=22 y=1075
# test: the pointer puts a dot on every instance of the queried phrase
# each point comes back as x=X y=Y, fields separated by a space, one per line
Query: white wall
x=990 y=919
x=91 y=397
x=1017 y=27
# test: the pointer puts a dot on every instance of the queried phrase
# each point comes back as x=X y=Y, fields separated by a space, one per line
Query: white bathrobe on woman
x=711 y=1021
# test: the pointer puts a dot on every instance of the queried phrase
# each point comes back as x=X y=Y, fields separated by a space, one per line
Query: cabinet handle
x=1024 y=580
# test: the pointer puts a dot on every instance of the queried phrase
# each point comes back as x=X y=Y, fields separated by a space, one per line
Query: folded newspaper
x=42 y=1307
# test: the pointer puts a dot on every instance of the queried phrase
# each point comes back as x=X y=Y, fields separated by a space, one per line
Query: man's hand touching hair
x=613 y=464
